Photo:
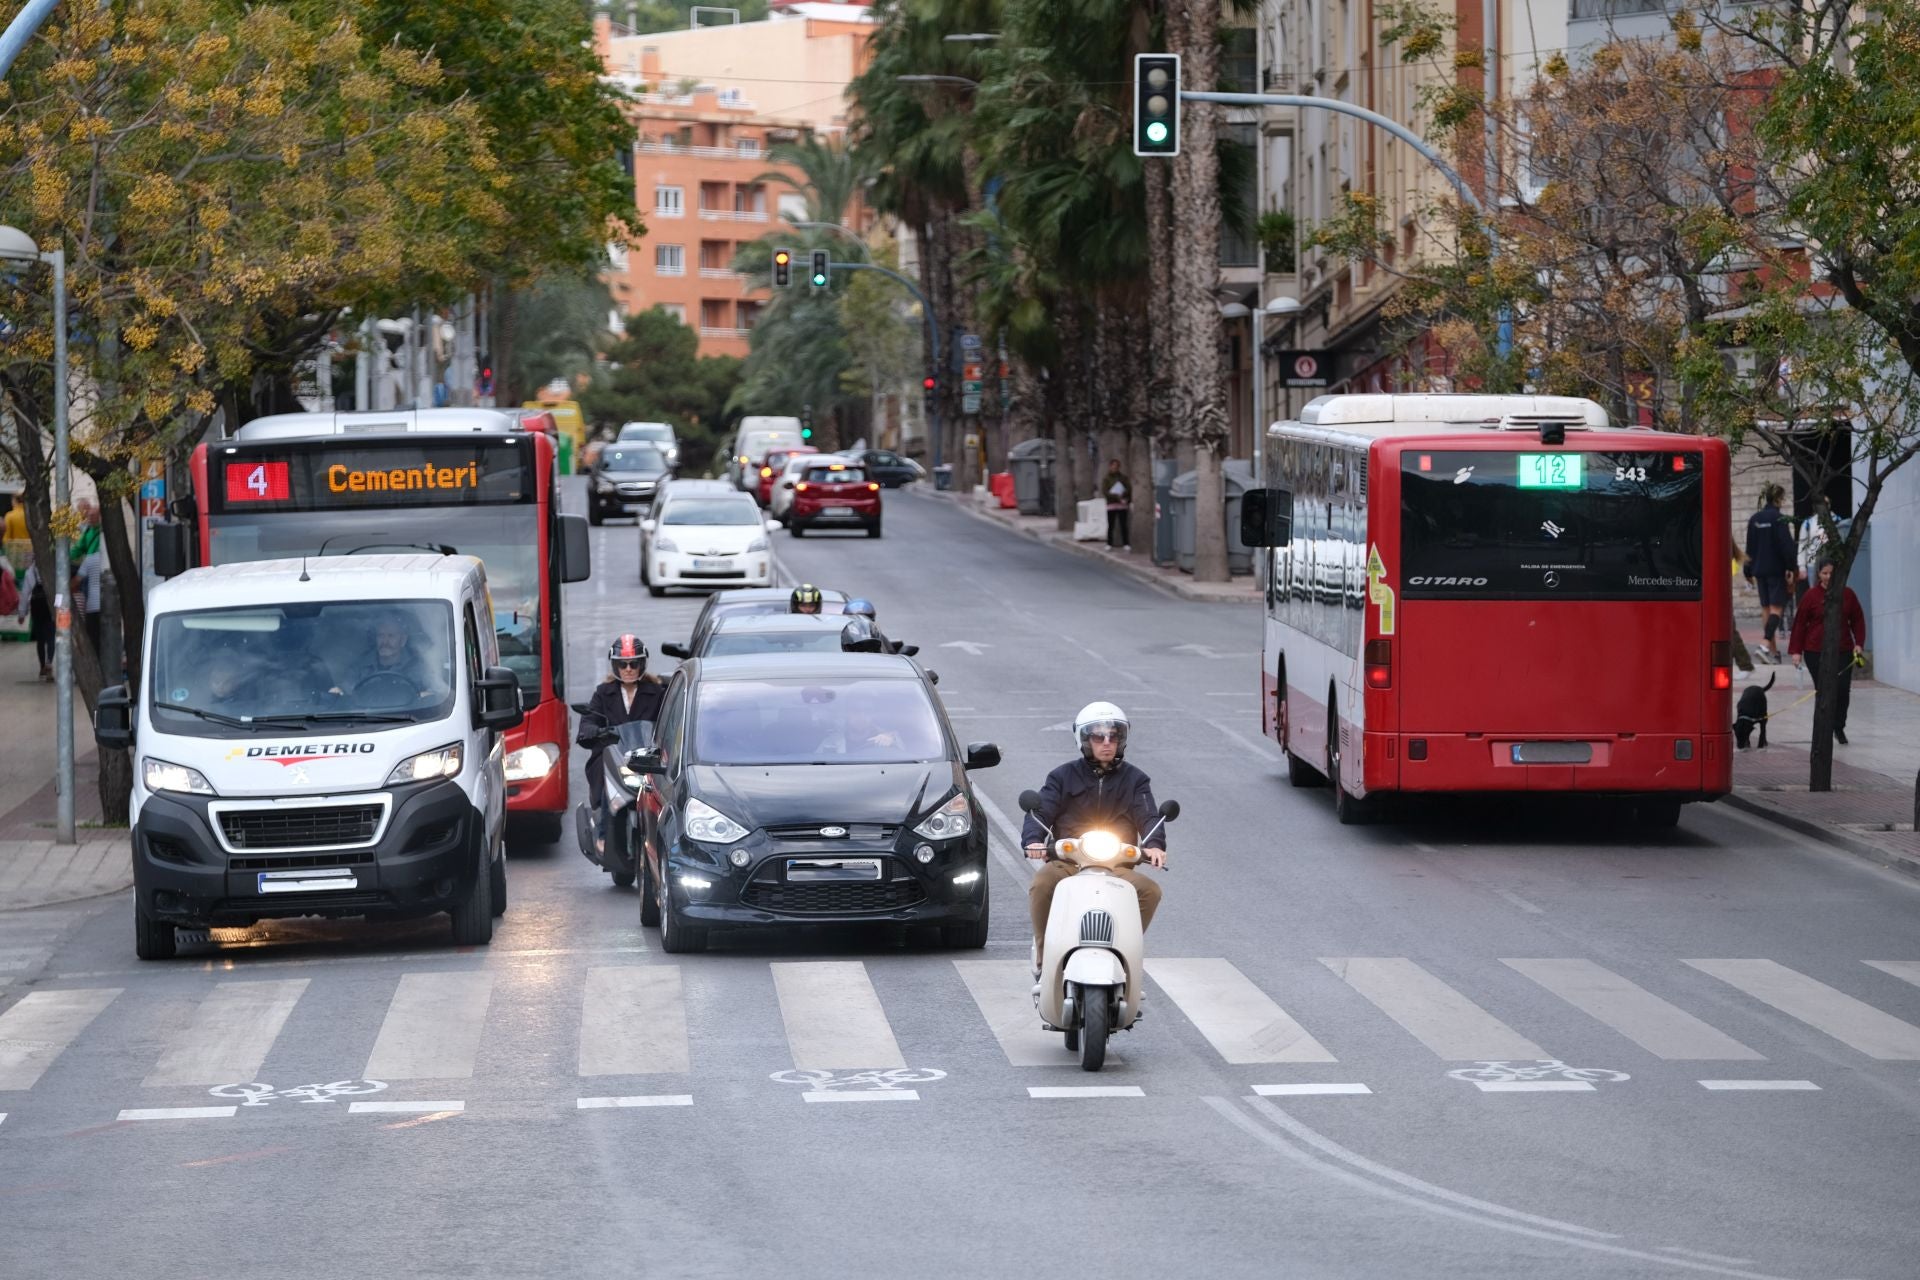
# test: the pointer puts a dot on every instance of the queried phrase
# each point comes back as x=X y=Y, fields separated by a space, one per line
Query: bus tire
x=1302 y=774
x=1348 y=808
x=1659 y=814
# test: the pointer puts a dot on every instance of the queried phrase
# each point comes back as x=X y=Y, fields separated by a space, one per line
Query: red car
x=834 y=493
x=772 y=465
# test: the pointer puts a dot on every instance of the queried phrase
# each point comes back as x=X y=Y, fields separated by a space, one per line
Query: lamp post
x=17 y=246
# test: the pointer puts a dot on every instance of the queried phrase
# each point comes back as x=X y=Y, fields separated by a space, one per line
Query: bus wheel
x=1658 y=813
x=1348 y=808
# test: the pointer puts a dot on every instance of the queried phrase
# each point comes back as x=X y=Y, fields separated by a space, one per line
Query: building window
x=747 y=146
x=1237 y=247
x=669 y=202
x=1239 y=61
x=616 y=255
x=793 y=206
x=678 y=310
x=669 y=260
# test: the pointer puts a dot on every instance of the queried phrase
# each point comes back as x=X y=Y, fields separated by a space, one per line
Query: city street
x=1705 y=1043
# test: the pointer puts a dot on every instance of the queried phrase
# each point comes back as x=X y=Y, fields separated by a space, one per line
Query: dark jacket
x=1770 y=549
x=1810 y=624
x=607 y=709
x=1078 y=798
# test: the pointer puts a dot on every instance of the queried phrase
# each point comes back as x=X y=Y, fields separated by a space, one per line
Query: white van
x=317 y=738
x=758 y=435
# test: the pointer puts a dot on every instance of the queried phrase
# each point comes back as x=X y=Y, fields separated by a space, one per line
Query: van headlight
x=160 y=775
x=441 y=762
x=708 y=825
x=954 y=818
x=531 y=762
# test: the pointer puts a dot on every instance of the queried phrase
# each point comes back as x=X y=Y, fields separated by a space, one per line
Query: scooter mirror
x=1170 y=809
x=579 y=708
x=1029 y=801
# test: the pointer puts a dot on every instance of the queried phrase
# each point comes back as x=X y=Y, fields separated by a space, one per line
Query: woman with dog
x=1809 y=639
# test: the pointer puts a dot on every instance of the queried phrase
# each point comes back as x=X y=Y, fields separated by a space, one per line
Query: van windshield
x=347 y=664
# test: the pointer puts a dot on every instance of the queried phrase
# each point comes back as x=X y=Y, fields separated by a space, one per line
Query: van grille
x=299 y=861
x=300 y=828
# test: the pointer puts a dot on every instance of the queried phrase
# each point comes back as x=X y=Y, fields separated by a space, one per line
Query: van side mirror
x=982 y=755
x=497 y=700
x=576 y=555
x=172 y=548
x=675 y=650
x=113 y=719
x=646 y=760
x=1266 y=518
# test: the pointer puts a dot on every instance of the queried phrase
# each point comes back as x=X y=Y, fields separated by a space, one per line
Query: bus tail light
x=1379 y=664
x=1720 y=659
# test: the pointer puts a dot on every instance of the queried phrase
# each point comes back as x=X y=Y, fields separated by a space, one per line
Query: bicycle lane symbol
x=875 y=1085
x=260 y=1095
x=1546 y=1074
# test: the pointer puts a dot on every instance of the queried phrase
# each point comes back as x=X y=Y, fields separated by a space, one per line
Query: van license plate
x=806 y=869
x=308 y=881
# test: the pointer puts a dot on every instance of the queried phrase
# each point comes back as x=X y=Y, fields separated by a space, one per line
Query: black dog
x=1752 y=710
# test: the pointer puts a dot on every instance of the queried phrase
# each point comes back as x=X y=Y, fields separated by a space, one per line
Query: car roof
x=775 y=622
x=694 y=486
x=743 y=595
x=821 y=666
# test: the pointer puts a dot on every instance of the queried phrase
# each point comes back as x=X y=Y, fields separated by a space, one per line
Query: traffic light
x=929 y=384
x=1156 y=104
x=806 y=433
x=819 y=268
x=782 y=268
x=485 y=380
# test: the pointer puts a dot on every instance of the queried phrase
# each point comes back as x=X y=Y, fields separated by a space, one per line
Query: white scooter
x=1095 y=946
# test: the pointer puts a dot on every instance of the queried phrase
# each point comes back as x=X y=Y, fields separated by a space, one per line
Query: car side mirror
x=933 y=676
x=649 y=525
x=786 y=484
x=1029 y=802
x=675 y=650
x=113 y=719
x=497 y=700
x=172 y=549
x=773 y=526
x=982 y=755
x=576 y=553
x=1169 y=810
x=909 y=649
x=646 y=760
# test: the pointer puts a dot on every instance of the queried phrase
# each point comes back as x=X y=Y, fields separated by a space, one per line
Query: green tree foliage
x=561 y=322
x=831 y=174
x=656 y=374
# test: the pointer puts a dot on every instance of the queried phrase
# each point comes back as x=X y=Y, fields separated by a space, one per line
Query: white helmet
x=1104 y=716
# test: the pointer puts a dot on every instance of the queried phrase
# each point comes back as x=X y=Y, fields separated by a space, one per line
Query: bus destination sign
x=401 y=474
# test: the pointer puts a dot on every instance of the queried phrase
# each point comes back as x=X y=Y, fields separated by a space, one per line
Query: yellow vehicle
x=572 y=426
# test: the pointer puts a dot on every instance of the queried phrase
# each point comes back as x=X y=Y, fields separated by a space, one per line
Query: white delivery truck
x=317 y=737
x=758 y=435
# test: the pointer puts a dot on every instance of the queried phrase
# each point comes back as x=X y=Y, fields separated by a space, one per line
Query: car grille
x=300 y=828
x=635 y=489
x=856 y=833
x=844 y=897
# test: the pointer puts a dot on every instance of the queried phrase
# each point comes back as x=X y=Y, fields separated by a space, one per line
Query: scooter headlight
x=1101 y=846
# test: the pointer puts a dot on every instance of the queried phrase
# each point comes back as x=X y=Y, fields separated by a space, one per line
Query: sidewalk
x=34 y=871
x=1241 y=590
x=1870 y=810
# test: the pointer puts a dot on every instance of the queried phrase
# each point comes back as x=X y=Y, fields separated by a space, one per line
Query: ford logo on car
x=1446 y=582
x=833 y=833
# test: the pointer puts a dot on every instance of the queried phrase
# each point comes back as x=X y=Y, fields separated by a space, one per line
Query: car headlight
x=159 y=775
x=1101 y=846
x=531 y=762
x=664 y=544
x=954 y=818
x=602 y=485
x=758 y=544
x=708 y=825
x=441 y=762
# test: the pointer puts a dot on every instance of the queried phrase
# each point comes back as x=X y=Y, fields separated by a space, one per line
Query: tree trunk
x=1199 y=361
x=1140 y=474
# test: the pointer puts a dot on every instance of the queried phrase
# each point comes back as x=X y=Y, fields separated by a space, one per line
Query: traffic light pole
x=933 y=336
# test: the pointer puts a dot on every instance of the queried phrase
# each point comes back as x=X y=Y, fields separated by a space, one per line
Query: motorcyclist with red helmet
x=628 y=693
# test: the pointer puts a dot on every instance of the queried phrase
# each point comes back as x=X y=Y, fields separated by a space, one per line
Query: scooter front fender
x=1095 y=967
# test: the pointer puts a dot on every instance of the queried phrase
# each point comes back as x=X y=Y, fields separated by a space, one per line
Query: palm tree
x=831 y=174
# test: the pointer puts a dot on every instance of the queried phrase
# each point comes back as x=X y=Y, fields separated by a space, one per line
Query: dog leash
x=1857 y=661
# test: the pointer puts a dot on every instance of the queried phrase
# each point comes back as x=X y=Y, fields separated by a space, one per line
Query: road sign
x=970 y=402
x=1304 y=368
x=969 y=342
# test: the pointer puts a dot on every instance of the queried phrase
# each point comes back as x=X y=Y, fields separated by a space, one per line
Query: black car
x=747 y=600
x=624 y=479
x=889 y=468
x=810 y=789
x=743 y=634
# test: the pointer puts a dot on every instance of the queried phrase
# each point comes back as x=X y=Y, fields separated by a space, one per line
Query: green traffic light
x=806 y=433
x=1157 y=131
x=819 y=282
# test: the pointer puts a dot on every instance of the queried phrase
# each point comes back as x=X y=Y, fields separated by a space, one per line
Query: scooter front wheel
x=1095 y=1014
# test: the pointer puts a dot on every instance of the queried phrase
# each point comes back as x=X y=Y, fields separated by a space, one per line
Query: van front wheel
x=153 y=939
x=473 y=912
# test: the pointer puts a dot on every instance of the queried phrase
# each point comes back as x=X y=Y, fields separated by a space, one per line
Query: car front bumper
x=680 y=569
x=708 y=891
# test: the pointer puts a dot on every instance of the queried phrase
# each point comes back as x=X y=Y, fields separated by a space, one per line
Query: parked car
x=705 y=540
x=773 y=464
x=659 y=434
x=623 y=480
x=889 y=468
x=834 y=494
x=810 y=789
x=752 y=600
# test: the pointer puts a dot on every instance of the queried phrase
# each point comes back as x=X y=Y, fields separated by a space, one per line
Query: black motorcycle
x=620 y=819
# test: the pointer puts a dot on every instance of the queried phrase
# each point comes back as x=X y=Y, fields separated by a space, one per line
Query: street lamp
x=17 y=246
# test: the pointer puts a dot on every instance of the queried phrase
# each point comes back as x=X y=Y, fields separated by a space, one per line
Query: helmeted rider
x=1097 y=790
x=861 y=608
x=806 y=598
x=860 y=636
x=628 y=693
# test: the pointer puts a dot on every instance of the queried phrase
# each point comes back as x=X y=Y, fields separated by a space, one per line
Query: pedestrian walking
x=1809 y=640
x=1770 y=563
x=1119 y=496
x=89 y=562
x=39 y=614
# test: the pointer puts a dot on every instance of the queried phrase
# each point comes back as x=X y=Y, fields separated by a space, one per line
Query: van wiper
x=334 y=717
x=214 y=716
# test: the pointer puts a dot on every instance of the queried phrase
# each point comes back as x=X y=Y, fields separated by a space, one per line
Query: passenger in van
x=232 y=680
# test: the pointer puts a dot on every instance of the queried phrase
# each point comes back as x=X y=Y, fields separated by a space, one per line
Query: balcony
x=718 y=331
x=670 y=147
x=733 y=215
x=719 y=273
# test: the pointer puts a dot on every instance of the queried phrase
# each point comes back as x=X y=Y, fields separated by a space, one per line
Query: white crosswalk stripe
x=1454 y=1027
x=34 y=1032
x=1236 y=1017
x=1905 y=970
x=633 y=1022
x=432 y=1029
x=230 y=1034
x=833 y=1016
x=1826 y=1009
x=1662 y=1029
x=1003 y=991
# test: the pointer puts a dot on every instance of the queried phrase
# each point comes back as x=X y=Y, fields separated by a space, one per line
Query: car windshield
x=732 y=644
x=817 y=721
x=272 y=666
x=646 y=431
x=726 y=512
x=836 y=475
x=632 y=457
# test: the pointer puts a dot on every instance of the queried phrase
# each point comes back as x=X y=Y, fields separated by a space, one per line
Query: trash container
x=1238 y=474
x=1237 y=477
x=1031 y=462
x=943 y=477
x=1164 y=470
x=1180 y=516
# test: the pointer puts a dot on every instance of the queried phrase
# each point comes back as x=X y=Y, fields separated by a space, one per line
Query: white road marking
x=1236 y=1017
x=401 y=1108
x=1854 y=1023
x=432 y=1028
x=1452 y=1026
x=833 y=1016
x=1660 y=1028
x=1706 y=1257
x=1905 y=970
x=1085 y=1091
x=642 y=1100
x=863 y=1095
x=1515 y=899
x=34 y=1032
x=633 y=1022
x=1787 y=1086
x=1533 y=1086
x=1003 y=839
x=1307 y=1090
x=1265 y=751
x=1003 y=990
x=230 y=1034
x=177 y=1113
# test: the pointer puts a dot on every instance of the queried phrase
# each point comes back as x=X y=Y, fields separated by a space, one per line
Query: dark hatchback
x=810 y=789
x=746 y=601
x=624 y=480
x=889 y=468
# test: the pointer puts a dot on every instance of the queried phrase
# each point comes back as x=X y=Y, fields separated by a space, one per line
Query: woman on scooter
x=1097 y=791
x=628 y=693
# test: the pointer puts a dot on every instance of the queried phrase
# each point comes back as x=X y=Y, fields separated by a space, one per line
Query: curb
x=1825 y=834
x=86 y=896
x=1177 y=589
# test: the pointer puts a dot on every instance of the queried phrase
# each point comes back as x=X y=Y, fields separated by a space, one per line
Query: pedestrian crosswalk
x=420 y=1033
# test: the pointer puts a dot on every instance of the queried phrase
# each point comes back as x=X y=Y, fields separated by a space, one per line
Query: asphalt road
x=1376 y=961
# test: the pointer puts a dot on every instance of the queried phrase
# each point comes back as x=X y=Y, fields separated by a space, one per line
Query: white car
x=705 y=540
x=795 y=467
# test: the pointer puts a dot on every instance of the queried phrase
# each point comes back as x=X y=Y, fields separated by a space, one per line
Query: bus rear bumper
x=1686 y=767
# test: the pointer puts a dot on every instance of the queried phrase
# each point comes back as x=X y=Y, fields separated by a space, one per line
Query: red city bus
x=1495 y=594
x=466 y=480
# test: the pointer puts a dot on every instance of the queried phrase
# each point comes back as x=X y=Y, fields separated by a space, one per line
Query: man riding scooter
x=627 y=694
